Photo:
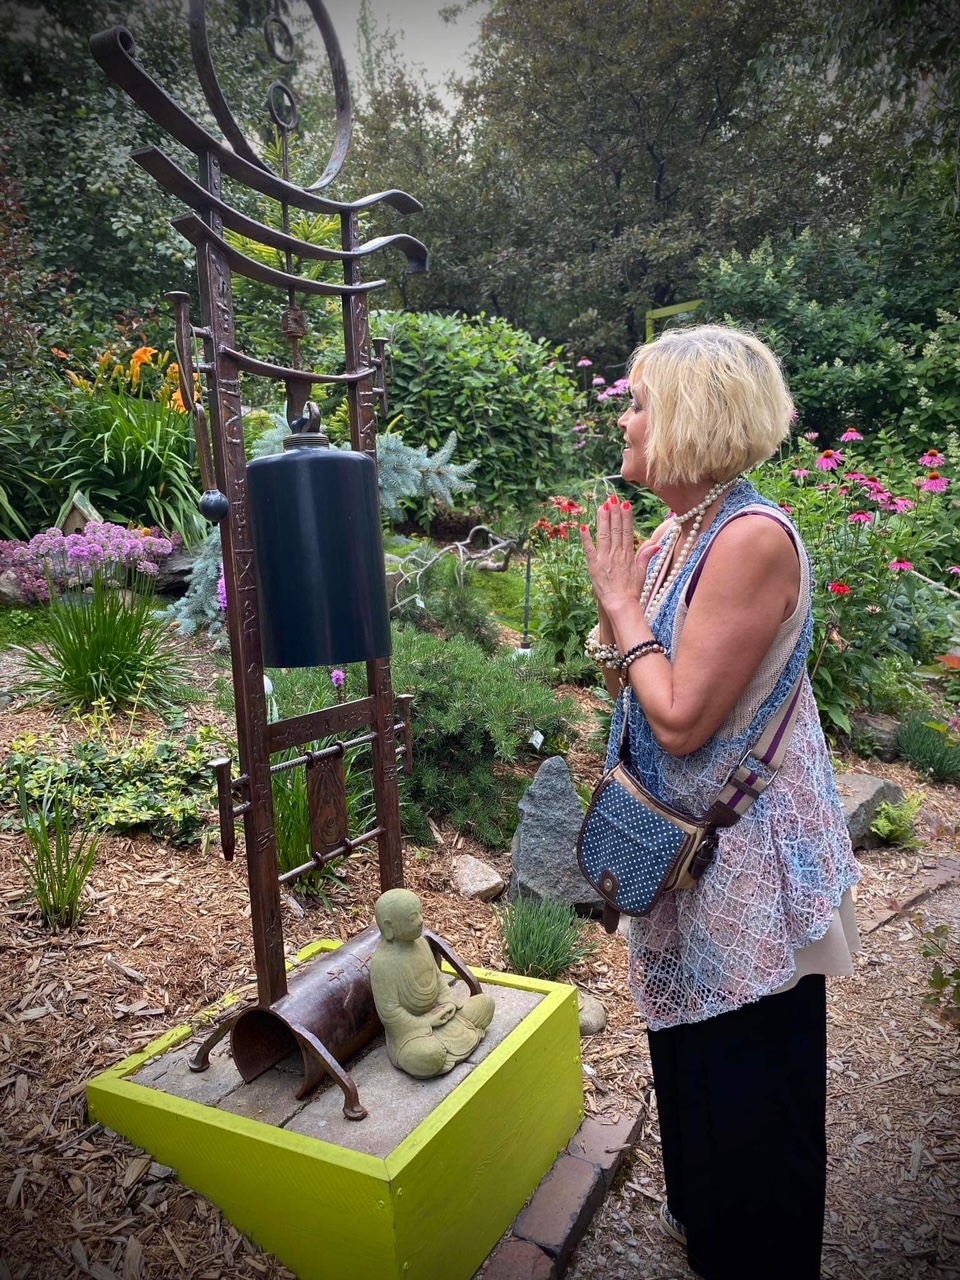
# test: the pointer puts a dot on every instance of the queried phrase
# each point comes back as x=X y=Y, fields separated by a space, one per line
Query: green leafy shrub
x=506 y=396
x=60 y=863
x=542 y=938
x=473 y=717
x=930 y=748
x=894 y=823
x=107 y=646
x=157 y=785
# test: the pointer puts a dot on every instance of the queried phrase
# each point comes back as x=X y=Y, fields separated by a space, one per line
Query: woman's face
x=633 y=423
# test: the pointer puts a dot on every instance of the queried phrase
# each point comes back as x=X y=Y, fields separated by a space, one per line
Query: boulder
x=545 y=845
x=878 y=732
x=593 y=1016
x=10 y=590
x=861 y=796
x=474 y=878
x=173 y=575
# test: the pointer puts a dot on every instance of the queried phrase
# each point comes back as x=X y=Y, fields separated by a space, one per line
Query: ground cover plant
x=61 y=855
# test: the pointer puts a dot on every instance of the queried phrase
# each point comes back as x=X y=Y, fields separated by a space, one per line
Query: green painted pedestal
x=430 y=1209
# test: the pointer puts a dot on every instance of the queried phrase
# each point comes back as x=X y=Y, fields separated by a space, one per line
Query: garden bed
x=167 y=934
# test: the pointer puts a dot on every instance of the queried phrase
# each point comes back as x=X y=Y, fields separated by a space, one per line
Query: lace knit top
x=781 y=870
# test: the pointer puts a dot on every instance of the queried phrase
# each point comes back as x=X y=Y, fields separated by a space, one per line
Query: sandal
x=670 y=1226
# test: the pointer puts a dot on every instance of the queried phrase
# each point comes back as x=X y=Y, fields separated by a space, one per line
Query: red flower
x=839 y=588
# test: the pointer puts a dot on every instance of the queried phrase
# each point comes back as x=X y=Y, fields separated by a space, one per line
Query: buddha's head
x=399 y=915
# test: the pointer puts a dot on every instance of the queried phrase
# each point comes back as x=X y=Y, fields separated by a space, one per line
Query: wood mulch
x=167 y=933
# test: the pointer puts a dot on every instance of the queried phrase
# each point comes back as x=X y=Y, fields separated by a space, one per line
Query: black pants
x=742 y=1102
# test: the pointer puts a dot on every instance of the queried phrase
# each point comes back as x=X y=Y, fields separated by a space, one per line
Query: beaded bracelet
x=608 y=655
x=638 y=651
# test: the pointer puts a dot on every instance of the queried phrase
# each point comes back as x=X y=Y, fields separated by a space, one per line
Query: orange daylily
x=142 y=356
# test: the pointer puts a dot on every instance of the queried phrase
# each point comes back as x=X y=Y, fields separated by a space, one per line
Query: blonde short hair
x=717 y=403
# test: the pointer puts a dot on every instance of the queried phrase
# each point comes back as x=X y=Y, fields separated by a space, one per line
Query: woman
x=729 y=974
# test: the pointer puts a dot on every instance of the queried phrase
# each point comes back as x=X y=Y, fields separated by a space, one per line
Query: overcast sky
x=441 y=47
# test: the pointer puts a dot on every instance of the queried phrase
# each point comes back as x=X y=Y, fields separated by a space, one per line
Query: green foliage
x=450 y=598
x=930 y=748
x=897 y=688
x=156 y=784
x=542 y=938
x=505 y=395
x=407 y=471
x=25 y=622
x=34 y=445
x=943 y=994
x=133 y=457
x=894 y=823
x=199 y=608
x=565 y=605
x=473 y=715
x=60 y=864
x=107 y=646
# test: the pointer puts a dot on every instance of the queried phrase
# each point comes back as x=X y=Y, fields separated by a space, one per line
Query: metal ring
x=288 y=52
x=279 y=90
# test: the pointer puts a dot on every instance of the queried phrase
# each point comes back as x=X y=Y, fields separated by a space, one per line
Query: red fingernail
x=583 y=528
x=626 y=506
x=613 y=500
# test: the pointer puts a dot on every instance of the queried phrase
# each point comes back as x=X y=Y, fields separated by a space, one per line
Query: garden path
x=167 y=934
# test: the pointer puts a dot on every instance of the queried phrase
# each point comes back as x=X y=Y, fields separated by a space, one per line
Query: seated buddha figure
x=428 y=1028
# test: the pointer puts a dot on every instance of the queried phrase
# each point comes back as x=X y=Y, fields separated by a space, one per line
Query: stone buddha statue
x=428 y=1028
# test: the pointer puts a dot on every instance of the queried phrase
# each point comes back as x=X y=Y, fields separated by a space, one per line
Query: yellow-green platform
x=431 y=1209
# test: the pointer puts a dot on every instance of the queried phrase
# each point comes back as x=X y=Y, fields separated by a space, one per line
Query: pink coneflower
x=851 y=435
x=794 y=414
x=800 y=473
x=599 y=382
x=584 y=362
x=854 y=475
x=829 y=460
x=783 y=507
x=811 y=435
x=932 y=458
x=900 y=566
x=582 y=426
x=838 y=588
x=935 y=482
x=954 y=568
x=860 y=517
x=898 y=505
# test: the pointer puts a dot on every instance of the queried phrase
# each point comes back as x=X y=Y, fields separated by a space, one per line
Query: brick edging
x=556 y=1216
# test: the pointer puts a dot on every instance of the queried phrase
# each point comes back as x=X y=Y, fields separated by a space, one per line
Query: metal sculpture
x=222 y=462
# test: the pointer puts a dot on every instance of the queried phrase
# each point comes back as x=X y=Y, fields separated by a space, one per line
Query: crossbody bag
x=633 y=847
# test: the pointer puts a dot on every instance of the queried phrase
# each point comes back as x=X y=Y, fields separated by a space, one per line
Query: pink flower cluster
x=67 y=559
x=619 y=388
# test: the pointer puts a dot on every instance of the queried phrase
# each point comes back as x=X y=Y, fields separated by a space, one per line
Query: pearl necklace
x=650 y=605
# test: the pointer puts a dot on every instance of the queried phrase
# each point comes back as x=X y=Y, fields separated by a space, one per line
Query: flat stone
x=605 y=1146
x=560 y=1209
x=593 y=1016
x=520 y=1260
x=861 y=795
x=474 y=878
x=172 y=1074
x=545 y=844
x=10 y=590
x=395 y=1101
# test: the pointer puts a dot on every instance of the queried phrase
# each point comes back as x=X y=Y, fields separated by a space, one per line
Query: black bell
x=315 y=515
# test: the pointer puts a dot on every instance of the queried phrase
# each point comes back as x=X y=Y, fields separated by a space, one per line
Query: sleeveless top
x=780 y=872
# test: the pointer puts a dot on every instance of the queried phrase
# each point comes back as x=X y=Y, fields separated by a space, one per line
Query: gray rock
x=476 y=879
x=879 y=732
x=10 y=590
x=593 y=1016
x=545 y=845
x=173 y=575
x=861 y=796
